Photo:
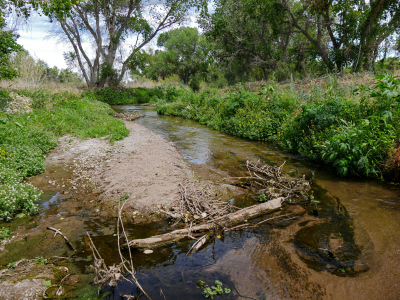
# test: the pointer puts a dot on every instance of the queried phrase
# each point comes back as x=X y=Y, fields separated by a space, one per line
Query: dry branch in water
x=214 y=225
x=265 y=179
x=197 y=203
x=104 y=276
x=57 y=231
x=273 y=182
x=109 y=276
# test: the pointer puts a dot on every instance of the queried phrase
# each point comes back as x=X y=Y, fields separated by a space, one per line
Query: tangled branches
x=197 y=203
x=273 y=182
x=104 y=276
x=109 y=276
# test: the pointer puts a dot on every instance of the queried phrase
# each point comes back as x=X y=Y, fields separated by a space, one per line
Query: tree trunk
x=227 y=221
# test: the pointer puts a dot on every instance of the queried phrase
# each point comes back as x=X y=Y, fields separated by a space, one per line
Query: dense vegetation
x=355 y=129
x=30 y=125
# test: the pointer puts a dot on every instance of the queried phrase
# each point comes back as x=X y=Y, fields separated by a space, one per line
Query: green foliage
x=47 y=283
x=42 y=260
x=5 y=233
x=353 y=132
x=210 y=292
x=123 y=197
x=26 y=138
x=359 y=148
x=127 y=96
x=18 y=197
x=241 y=113
x=262 y=198
x=8 y=45
x=186 y=54
x=11 y=266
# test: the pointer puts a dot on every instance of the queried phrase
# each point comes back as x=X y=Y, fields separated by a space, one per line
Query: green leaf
x=20 y=216
x=47 y=283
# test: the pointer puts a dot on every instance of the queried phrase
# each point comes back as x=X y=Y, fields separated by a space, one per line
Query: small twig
x=200 y=242
x=57 y=231
x=60 y=290
x=269 y=219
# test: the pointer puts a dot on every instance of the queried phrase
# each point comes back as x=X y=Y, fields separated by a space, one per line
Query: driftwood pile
x=197 y=204
x=128 y=116
x=273 y=182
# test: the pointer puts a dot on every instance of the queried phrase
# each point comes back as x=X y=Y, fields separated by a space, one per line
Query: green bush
x=126 y=96
x=354 y=131
x=361 y=148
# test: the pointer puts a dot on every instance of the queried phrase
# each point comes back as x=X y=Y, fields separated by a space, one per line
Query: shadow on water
x=352 y=244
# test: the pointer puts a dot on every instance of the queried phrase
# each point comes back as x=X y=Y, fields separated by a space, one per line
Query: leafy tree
x=187 y=54
x=107 y=25
x=8 y=45
x=252 y=32
x=345 y=32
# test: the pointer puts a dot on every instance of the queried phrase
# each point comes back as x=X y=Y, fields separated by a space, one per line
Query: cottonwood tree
x=253 y=31
x=345 y=32
x=105 y=35
x=185 y=53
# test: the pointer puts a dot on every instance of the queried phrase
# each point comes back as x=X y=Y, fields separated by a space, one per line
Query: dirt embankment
x=143 y=170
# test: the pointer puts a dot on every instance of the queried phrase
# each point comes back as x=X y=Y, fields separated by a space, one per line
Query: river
x=358 y=219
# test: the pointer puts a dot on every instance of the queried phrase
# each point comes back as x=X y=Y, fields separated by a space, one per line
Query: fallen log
x=226 y=221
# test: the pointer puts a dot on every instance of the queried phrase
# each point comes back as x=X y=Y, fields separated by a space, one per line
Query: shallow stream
x=350 y=250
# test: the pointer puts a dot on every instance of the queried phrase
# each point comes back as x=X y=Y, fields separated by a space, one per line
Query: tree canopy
x=106 y=35
x=185 y=53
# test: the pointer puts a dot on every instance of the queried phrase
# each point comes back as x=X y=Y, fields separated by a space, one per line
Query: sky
x=34 y=38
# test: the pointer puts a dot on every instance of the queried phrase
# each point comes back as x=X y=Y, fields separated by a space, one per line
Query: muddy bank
x=143 y=170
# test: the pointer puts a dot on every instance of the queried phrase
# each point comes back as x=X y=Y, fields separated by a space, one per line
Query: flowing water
x=350 y=250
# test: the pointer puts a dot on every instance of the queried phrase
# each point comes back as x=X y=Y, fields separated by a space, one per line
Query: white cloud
x=33 y=39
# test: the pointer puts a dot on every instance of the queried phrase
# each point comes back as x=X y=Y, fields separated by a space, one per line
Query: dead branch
x=197 y=203
x=104 y=276
x=57 y=231
x=272 y=182
x=226 y=221
x=197 y=245
x=128 y=265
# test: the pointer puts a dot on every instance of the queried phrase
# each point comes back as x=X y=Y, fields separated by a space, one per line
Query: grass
x=26 y=137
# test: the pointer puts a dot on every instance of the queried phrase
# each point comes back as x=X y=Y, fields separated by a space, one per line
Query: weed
x=123 y=197
x=42 y=260
x=5 y=233
x=210 y=292
x=262 y=198
x=354 y=131
x=11 y=266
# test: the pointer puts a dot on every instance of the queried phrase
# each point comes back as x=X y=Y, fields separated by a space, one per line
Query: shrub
x=359 y=148
x=18 y=197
